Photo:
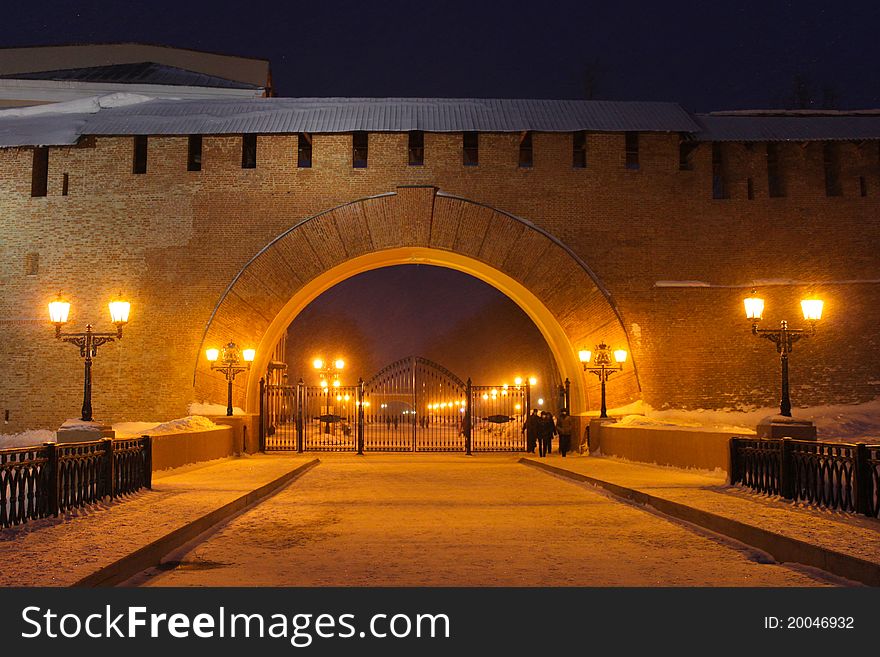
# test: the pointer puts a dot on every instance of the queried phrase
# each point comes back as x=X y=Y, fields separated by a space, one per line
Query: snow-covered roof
x=63 y=123
x=133 y=114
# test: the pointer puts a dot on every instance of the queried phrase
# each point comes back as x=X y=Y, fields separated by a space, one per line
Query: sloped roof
x=328 y=115
x=135 y=73
x=130 y=114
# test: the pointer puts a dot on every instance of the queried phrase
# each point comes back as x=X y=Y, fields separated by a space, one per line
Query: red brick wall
x=173 y=240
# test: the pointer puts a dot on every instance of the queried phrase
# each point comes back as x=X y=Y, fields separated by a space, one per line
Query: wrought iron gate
x=498 y=414
x=412 y=405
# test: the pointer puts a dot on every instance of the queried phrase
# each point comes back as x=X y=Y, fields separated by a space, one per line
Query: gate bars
x=412 y=405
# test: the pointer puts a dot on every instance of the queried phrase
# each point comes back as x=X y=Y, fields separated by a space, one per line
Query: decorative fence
x=36 y=482
x=839 y=476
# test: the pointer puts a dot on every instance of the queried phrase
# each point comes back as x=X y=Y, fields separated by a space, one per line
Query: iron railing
x=842 y=476
x=46 y=480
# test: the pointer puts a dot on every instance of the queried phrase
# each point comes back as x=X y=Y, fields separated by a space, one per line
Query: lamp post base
x=78 y=431
x=781 y=426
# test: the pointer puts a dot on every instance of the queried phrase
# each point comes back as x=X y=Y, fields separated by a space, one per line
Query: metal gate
x=412 y=405
x=498 y=414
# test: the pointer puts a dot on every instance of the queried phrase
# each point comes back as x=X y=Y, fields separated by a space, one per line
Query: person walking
x=563 y=428
x=530 y=428
x=546 y=429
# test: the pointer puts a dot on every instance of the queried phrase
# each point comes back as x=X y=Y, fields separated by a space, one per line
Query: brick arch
x=552 y=285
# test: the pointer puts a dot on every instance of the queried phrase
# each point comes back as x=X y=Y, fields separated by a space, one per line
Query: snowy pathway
x=446 y=520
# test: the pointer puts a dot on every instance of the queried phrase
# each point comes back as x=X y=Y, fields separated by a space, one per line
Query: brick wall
x=172 y=241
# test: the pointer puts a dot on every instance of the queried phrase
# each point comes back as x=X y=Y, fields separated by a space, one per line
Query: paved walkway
x=432 y=520
x=450 y=520
x=850 y=534
x=61 y=551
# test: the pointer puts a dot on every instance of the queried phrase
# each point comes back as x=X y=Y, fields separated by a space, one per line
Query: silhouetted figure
x=546 y=429
x=396 y=422
x=530 y=428
x=564 y=427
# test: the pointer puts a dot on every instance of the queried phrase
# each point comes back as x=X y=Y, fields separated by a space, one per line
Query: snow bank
x=181 y=425
x=26 y=438
x=841 y=422
x=205 y=408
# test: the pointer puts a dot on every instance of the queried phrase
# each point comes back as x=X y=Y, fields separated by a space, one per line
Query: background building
x=51 y=74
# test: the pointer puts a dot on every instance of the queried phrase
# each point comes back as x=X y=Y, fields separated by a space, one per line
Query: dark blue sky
x=706 y=55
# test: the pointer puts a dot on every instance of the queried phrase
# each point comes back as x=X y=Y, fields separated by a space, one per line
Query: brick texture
x=178 y=244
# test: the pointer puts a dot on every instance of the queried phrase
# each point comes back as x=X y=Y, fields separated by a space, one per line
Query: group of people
x=540 y=429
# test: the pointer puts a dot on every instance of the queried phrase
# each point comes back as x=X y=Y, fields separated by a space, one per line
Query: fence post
x=862 y=471
x=262 y=414
x=733 y=474
x=468 y=419
x=786 y=470
x=148 y=461
x=300 y=402
x=109 y=469
x=360 y=418
x=52 y=478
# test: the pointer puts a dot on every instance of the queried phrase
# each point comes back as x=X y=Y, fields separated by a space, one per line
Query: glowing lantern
x=754 y=306
x=119 y=311
x=59 y=311
x=249 y=355
x=620 y=355
x=812 y=309
x=212 y=355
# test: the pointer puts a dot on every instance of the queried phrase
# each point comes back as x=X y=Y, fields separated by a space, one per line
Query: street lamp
x=783 y=337
x=329 y=373
x=230 y=358
x=88 y=341
x=602 y=366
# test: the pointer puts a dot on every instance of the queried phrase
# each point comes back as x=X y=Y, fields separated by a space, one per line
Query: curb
x=151 y=555
x=781 y=548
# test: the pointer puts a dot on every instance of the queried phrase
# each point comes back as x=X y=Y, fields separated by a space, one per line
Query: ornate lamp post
x=783 y=337
x=231 y=358
x=329 y=373
x=602 y=367
x=88 y=341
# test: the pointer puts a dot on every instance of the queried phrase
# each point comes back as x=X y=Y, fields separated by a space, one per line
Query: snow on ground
x=26 y=438
x=205 y=408
x=841 y=422
x=184 y=424
x=450 y=520
x=122 y=429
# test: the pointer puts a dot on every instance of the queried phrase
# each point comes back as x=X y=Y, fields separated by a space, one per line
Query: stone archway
x=552 y=285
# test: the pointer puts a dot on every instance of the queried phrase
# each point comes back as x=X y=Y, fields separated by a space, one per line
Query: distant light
x=340 y=364
x=318 y=364
x=518 y=381
x=540 y=401
x=533 y=380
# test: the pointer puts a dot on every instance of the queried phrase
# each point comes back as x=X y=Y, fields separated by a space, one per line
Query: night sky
x=705 y=55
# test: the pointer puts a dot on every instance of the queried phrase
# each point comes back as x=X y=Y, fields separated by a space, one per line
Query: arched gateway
x=554 y=287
